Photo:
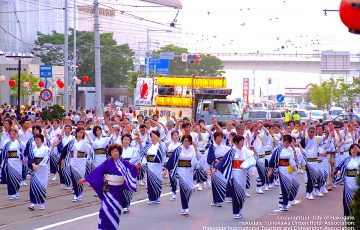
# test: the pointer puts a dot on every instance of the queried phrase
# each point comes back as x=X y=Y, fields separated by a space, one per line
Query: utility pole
x=254 y=86
x=147 y=54
x=66 y=59
x=75 y=56
x=98 y=106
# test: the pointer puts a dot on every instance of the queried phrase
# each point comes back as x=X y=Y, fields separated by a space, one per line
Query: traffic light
x=194 y=58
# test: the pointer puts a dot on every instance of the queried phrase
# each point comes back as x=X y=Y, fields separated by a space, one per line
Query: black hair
x=157 y=133
x=322 y=127
x=142 y=126
x=189 y=137
x=185 y=125
x=140 y=115
x=40 y=136
x=217 y=134
x=8 y=120
x=173 y=133
x=78 y=130
x=287 y=138
x=95 y=129
x=36 y=127
x=126 y=135
x=80 y=121
x=354 y=146
x=238 y=138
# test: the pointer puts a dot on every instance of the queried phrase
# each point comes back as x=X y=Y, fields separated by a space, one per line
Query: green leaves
x=208 y=66
x=116 y=60
x=23 y=78
x=335 y=90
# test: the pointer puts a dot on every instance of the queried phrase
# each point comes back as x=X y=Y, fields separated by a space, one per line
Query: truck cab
x=214 y=104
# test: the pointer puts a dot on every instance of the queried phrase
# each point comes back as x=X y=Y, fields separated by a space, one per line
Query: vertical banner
x=144 y=91
x=156 y=89
x=246 y=90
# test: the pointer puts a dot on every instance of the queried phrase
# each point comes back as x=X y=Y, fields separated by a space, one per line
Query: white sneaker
x=247 y=194
x=31 y=207
x=54 y=178
x=142 y=183
x=307 y=195
x=74 y=198
x=67 y=188
x=323 y=190
x=200 y=187
x=310 y=197
x=79 y=198
x=173 y=197
x=318 y=193
x=237 y=216
x=272 y=185
x=185 y=212
x=266 y=188
x=259 y=190
x=283 y=208
x=230 y=200
x=42 y=206
x=277 y=182
x=23 y=183
x=126 y=210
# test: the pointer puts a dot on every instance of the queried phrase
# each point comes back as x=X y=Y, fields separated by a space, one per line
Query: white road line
x=90 y=215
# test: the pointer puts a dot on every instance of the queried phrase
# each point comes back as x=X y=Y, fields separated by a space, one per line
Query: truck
x=186 y=96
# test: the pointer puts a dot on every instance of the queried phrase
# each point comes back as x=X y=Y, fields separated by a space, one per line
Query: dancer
x=38 y=163
x=109 y=180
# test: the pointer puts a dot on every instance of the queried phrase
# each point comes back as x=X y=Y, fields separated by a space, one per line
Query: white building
x=129 y=20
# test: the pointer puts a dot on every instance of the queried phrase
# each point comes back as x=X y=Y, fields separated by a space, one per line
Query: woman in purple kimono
x=109 y=180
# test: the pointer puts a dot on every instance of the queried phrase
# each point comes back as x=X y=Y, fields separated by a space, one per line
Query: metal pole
x=254 y=93
x=98 y=107
x=18 y=89
x=147 y=53
x=66 y=59
x=75 y=68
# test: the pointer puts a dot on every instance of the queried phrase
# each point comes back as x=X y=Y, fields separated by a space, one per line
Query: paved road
x=259 y=211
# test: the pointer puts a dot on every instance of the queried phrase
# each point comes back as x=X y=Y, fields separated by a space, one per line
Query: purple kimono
x=109 y=214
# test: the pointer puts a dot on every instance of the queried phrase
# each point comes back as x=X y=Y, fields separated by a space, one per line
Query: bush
x=53 y=112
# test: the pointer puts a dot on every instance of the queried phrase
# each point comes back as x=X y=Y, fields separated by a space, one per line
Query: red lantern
x=61 y=85
x=12 y=83
x=134 y=113
x=353 y=3
x=85 y=79
x=180 y=113
x=41 y=84
x=157 y=112
x=350 y=16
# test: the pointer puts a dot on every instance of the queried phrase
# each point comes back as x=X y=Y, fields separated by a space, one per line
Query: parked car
x=303 y=115
x=276 y=116
x=316 y=115
x=257 y=115
x=335 y=111
x=340 y=119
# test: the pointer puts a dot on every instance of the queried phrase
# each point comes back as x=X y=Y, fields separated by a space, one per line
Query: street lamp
x=18 y=57
x=148 y=48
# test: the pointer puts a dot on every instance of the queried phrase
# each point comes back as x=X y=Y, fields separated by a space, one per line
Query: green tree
x=53 y=112
x=208 y=66
x=33 y=80
x=116 y=60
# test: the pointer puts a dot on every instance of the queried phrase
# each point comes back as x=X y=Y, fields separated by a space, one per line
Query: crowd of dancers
x=114 y=155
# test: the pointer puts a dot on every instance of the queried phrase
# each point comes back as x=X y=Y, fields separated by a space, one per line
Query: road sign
x=46 y=95
x=184 y=57
x=158 y=65
x=168 y=55
x=45 y=71
x=280 y=98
